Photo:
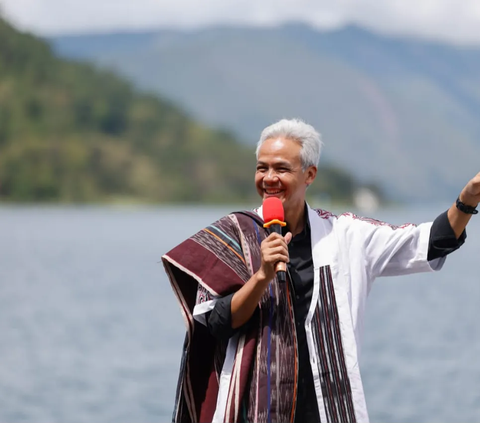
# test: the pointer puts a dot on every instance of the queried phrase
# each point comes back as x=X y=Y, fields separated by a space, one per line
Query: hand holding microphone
x=274 y=248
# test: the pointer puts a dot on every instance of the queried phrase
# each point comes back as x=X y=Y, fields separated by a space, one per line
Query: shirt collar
x=306 y=228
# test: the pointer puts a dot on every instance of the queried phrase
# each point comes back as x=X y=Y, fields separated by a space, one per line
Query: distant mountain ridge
x=402 y=111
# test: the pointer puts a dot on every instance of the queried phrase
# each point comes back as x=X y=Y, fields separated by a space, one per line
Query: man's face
x=279 y=173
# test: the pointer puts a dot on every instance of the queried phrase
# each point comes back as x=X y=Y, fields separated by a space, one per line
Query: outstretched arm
x=470 y=196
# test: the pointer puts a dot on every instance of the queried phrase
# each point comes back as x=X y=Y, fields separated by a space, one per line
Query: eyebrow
x=276 y=164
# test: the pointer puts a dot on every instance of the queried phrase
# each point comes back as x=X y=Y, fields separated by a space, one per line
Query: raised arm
x=470 y=197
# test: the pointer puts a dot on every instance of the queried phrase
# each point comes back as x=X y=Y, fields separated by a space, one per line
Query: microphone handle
x=280 y=266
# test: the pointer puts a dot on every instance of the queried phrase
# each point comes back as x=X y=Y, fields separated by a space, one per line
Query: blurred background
x=127 y=126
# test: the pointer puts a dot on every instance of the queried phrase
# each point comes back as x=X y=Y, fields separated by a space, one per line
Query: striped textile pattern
x=334 y=381
x=263 y=384
x=273 y=385
x=215 y=239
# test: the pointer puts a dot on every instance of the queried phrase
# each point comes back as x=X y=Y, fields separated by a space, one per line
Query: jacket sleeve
x=215 y=313
x=389 y=250
x=442 y=238
x=219 y=320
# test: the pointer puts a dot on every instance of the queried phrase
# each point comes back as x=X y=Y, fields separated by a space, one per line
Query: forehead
x=279 y=149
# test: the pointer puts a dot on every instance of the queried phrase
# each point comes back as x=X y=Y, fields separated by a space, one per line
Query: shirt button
x=297 y=297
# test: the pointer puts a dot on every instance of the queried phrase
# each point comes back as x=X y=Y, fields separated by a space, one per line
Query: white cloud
x=449 y=20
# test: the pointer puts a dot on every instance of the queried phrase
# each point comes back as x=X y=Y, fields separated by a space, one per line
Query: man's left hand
x=470 y=195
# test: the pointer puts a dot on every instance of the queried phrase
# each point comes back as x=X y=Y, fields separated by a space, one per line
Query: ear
x=310 y=174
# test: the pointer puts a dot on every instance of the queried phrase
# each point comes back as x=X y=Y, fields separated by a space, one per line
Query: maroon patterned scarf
x=221 y=258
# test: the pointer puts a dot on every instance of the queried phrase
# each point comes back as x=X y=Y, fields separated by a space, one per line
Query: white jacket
x=349 y=253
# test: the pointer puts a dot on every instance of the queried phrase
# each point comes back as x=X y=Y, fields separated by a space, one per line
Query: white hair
x=299 y=131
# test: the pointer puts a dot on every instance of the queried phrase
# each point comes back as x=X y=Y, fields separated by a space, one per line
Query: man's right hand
x=245 y=300
x=274 y=248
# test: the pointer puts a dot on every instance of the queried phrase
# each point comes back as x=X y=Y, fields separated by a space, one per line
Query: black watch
x=466 y=209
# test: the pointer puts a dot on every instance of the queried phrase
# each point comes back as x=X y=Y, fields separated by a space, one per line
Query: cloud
x=447 y=20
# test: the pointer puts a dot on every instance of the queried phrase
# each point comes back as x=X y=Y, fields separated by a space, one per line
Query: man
x=258 y=350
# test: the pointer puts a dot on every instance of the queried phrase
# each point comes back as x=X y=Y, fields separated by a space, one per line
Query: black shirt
x=442 y=241
x=300 y=270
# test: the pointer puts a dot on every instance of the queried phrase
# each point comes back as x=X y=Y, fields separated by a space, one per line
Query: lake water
x=91 y=331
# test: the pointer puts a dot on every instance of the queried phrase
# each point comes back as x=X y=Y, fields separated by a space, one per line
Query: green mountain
x=72 y=133
x=401 y=111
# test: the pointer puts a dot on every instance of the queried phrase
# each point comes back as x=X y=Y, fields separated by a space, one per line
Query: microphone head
x=273 y=209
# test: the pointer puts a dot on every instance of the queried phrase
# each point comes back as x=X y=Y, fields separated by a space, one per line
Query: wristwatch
x=466 y=209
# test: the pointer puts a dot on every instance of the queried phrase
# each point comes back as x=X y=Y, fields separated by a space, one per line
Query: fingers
x=273 y=257
x=274 y=249
x=288 y=237
x=274 y=237
x=276 y=240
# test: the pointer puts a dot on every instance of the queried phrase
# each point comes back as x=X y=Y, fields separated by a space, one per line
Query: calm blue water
x=91 y=332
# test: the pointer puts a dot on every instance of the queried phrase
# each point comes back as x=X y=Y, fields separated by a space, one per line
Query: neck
x=296 y=220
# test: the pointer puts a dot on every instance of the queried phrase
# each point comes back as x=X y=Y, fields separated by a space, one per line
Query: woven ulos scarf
x=263 y=384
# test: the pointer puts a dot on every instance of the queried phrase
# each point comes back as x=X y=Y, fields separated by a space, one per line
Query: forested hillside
x=72 y=133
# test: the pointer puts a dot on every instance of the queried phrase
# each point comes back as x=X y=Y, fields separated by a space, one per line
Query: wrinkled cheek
x=258 y=184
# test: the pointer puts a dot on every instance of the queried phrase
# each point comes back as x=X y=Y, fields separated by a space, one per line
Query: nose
x=271 y=176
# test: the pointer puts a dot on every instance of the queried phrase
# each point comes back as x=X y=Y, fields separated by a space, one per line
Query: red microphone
x=273 y=216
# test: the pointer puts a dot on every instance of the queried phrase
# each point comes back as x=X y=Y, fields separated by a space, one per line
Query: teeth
x=273 y=192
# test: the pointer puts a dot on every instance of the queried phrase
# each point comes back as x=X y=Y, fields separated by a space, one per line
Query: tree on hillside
x=72 y=133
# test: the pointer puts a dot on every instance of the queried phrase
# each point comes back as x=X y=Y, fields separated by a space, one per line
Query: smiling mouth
x=272 y=191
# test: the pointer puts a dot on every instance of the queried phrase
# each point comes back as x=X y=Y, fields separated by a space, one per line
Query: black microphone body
x=280 y=267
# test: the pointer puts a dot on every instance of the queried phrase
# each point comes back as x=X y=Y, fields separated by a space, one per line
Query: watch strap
x=464 y=208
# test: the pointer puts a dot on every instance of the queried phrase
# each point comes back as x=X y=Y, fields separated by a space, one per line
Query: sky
x=452 y=21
